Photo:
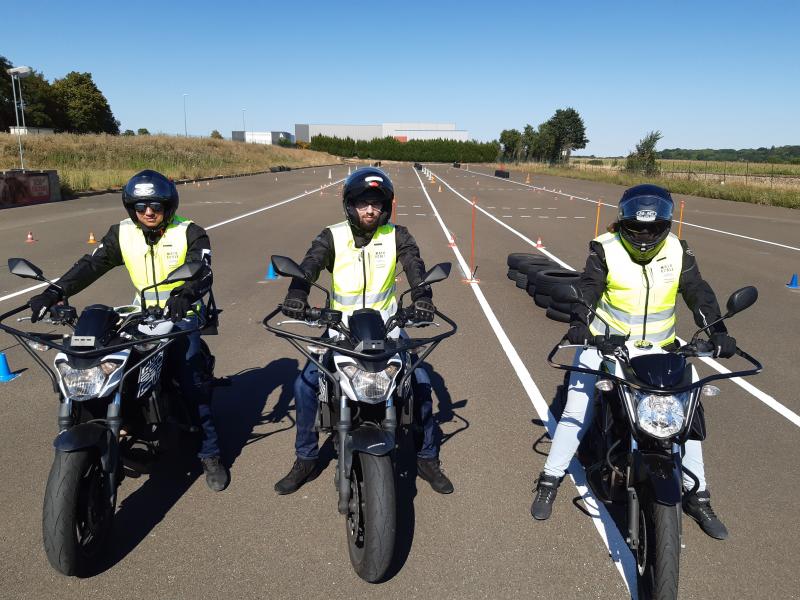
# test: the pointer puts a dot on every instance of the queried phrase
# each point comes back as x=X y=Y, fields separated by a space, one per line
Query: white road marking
x=420 y=214
x=215 y=225
x=619 y=552
x=525 y=216
x=507 y=216
x=748 y=387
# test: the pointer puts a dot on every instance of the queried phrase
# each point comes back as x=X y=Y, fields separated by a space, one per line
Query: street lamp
x=244 y=127
x=18 y=73
x=185 y=130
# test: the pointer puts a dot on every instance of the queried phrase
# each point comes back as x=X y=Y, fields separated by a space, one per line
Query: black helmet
x=645 y=218
x=368 y=182
x=149 y=186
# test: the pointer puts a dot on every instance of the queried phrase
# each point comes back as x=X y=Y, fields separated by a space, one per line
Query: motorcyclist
x=151 y=243
x=632 y=277
x=361 y=253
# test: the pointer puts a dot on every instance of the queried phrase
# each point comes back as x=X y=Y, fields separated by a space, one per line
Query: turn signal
x=709 y=390
x=604 y=385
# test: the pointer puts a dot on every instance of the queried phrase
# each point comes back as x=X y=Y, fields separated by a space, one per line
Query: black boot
x=698 y=506
x=430 y=469
x=302 y=472
x=546 y=491
x=217 y=476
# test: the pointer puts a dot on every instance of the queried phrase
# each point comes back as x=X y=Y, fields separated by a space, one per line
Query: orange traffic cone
x=91 y=239
x=528 y=179
x=30 y=239
x=440 y=189
x=451 y=243
x=539 y=243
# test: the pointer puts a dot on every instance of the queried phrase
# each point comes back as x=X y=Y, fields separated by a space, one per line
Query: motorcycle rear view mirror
x=438 y=273
x=186 y=272
x=23 y=268
x=741 y=299
x=287 y=267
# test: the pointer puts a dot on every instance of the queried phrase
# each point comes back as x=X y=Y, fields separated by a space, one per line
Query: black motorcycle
x=366 y=399
x=117 y=410
x=649 y=406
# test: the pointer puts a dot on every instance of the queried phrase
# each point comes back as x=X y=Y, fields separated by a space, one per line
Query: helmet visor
x=645 y=209
x=642 y=233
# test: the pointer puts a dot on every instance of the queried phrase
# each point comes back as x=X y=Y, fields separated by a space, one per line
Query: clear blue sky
x=707 y=74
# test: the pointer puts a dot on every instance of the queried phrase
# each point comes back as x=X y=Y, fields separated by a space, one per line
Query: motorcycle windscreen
x=366 y=325
x=660 y=370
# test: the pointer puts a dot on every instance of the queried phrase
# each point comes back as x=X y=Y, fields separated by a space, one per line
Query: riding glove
x=424 y=311
x=294 y=308
x=579 y=333
x=41 y=303
x=724 y=345
x=177 y=306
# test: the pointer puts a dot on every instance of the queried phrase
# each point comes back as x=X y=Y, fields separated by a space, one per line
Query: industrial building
x=401 y=131
x=262 y=137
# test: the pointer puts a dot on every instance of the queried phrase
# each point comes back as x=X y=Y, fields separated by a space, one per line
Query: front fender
x=663 y=473
x=369 y=440
x=81 y=437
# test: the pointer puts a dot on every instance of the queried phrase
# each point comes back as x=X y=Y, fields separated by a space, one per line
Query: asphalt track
x=174 y=538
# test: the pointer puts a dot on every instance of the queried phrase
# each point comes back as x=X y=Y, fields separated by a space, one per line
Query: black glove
x=42 y=303
x=294 y=308
x=177 y=306
x=424 y=311
x=579 y=333
x=724 y=345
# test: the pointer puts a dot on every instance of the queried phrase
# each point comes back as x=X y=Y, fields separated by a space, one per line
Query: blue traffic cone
x=5 y=372
x=271 y=274
x=792 y=285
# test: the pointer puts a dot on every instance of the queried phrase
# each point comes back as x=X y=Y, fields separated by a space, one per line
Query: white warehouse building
x=261 y=137
x=401 y=131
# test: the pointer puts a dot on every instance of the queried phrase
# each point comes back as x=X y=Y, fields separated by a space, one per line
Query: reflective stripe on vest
x=168 y=254
x=625 y=303
x=364 y=277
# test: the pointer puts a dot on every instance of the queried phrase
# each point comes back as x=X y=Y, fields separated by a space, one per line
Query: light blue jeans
x=577 y=418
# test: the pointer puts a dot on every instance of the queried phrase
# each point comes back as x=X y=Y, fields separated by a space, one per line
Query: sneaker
x=302 y=472
x=217 y=476
x=698 y=506
x=430 y=469
x=546 y=491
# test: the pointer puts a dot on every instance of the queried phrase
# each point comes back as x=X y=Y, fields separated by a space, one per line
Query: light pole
x=244 y=127
x=185 y=130
x=18 y=73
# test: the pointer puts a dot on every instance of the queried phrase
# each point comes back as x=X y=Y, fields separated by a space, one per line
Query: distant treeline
x=389 y=148
x=779 y=154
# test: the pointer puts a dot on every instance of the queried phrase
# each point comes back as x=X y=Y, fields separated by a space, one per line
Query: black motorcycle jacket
x=696 y=291
x=322 y=255
x=108 y=254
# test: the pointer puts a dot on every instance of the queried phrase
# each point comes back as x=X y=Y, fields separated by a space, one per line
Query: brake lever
x=316 y=324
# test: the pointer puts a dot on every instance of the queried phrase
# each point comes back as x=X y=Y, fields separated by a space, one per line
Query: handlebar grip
x=313 y=314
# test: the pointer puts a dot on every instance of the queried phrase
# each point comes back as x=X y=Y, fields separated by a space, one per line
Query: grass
x=788 y=197
x=718 y=167
x=104 y=162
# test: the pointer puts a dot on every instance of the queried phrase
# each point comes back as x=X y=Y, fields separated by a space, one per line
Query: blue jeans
x=306 y=387
x=188 y=364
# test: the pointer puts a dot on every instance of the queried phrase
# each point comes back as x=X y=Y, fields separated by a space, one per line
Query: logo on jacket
x=144 y=189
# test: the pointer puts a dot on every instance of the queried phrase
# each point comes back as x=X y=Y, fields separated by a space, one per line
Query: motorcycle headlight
x=660 y=416
x=370 y=387
x=83 y=384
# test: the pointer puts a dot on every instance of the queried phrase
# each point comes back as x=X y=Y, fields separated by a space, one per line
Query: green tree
x=85 y=106
x=6 y=97
x=511 y=140
x=569 y=132
x=142 y=131
x=129 y=132
x=42 y=108
x=643 y=160
x=216 y=135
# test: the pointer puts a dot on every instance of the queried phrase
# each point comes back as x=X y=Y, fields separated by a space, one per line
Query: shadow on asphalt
x=238 y=407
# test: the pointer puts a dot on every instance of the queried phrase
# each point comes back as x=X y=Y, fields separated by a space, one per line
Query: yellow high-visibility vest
x=167 y=255
x=640 y=299
x=364 y=277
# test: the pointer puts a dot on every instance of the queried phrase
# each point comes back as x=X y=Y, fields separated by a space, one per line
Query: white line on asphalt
x=620 y=554
x=748 y=387
x=722 y=231
x=507 y=217
x=249 y=214
x=525 y=216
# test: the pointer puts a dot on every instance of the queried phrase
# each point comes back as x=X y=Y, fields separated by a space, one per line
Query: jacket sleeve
x=198 y=250
x=91 y=267
x=697 y=293
x=318 y=258
x=413 y=265
x=592 y=282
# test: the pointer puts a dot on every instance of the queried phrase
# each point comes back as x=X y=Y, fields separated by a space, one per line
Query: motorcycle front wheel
x=77 y=516
x=658 y=555
x=371 y=516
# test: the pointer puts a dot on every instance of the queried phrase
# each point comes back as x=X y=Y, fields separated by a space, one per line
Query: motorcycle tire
x=658 y=555
x=517 y=259
x=512 y=274
x=371 y=521
x=521 y=280
x=77 y=516
x=547 y=279
x=541 y=300
x=531 y=289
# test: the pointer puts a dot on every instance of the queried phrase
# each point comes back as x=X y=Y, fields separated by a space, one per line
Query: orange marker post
x=597 y=220
x=680 y=219
x=394 y=209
